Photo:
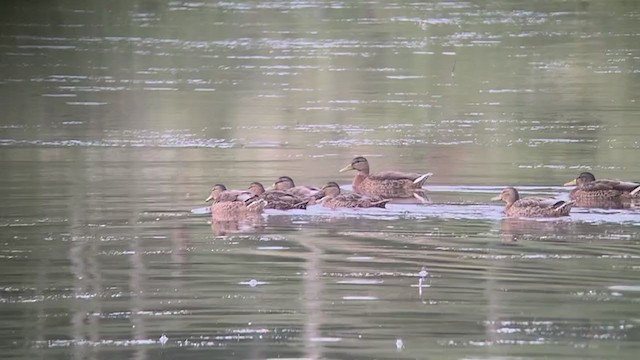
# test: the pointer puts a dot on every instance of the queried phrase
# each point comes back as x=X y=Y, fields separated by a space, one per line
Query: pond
x=118 y=118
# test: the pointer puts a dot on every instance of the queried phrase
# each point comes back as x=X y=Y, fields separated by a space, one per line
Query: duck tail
x=302 y=204
x=635 y=191
x=563 y=207
x=380 y=203
x=257 y=205
x=422 y=179
x=250 y=200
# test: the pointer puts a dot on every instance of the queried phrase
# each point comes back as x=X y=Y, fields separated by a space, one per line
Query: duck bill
x=209 y=198
x=346 y=168
x=496 y=198
x=570 y=183
x=272 y=187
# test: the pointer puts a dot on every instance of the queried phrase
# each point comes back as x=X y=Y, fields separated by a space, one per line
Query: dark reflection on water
x=118 y=118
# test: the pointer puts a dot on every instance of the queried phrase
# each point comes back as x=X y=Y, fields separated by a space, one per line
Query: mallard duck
x=220 y=193
x=590 y=189
x=231 y=205
x=331 y=197
x=277 y=199
x=532 y=206
x=388 y=184
x=285 y=183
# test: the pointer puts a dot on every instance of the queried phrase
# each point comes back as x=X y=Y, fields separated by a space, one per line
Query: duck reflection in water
x=519 y=229
x=247 y=225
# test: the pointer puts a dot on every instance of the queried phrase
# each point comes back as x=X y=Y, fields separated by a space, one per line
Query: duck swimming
x=232 y=205
x=588 y=189
x=603 y=193
x=277 y=199
x=285 y=183
x=388 y=184
x=532 y=206
x=331 y=197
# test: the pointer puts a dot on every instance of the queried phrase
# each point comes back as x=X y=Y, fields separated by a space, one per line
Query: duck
x=232 y=205
x=285 y=183
x=532 y=206
x=587 y=188
x=331 y=197
x=278 y=199
x=220 y=193
x=388 y=184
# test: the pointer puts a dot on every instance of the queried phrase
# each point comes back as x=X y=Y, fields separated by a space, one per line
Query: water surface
x=118 y=118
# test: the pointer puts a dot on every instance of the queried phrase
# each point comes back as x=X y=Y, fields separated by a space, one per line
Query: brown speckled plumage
x=233 y=205
x=277 y=199
x=285 y=183
x=388 y=184
x=590 y=192
x=532 y=206
x=331 y=197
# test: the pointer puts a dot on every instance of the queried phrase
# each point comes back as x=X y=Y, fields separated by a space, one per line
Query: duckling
x=331 y=197
x=277 y=199
x=532 y=206
x=388 y=184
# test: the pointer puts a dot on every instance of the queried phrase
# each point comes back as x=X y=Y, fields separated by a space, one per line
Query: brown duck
x=277 y=199
x=233 y=205
x=331 y=197
x=388 y=184
x=285 y=183
x=532 y=206
x=588 y=190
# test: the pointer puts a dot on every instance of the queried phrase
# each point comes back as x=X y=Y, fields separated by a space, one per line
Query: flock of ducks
x=376 y=190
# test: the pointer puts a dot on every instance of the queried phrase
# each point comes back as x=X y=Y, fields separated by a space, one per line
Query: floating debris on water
x=253 y=283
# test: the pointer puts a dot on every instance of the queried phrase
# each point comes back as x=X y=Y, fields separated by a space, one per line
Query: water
x=118 y=118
